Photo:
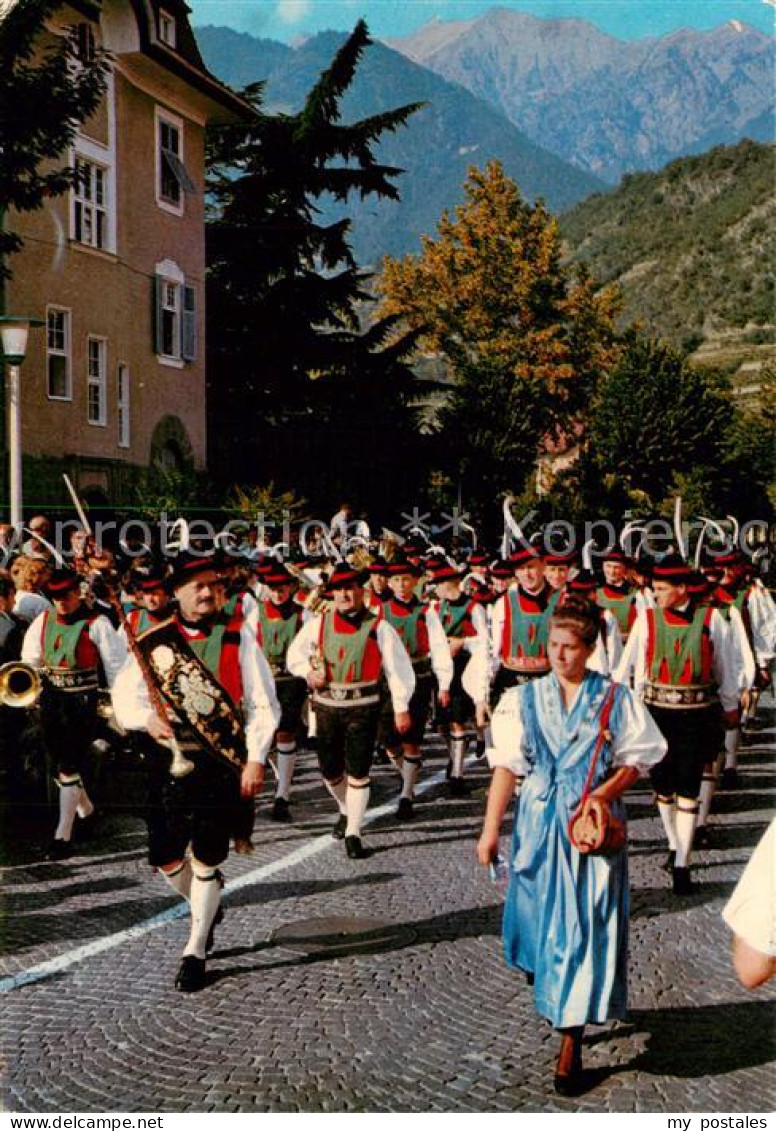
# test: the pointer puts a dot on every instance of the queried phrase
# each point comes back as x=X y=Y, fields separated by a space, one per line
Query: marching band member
x=76 y=650
x=342 y=652
x=280 y=618
x=421 y=633
x=465 y=625
x=755 y=608
x=686 y=671
x=616 y=594
x=520 y=624
x=214 y=678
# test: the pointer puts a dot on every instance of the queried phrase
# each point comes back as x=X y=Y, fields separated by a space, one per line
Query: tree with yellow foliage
x=525 y=336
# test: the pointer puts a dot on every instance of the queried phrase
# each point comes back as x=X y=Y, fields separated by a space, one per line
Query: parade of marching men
x=387 y=576
x=569 y=673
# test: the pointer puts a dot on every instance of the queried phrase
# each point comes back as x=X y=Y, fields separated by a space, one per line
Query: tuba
x=20 y=685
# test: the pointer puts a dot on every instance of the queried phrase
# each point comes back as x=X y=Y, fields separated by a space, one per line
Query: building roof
x=184 y=59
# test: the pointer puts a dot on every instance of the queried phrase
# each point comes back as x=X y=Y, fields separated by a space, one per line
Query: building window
x=83 y=43
x=175 y=319
x=96 y=382
x=90 y=198
x=58 y=378
x=173 y=177
x=122 y=400
x=166 y=28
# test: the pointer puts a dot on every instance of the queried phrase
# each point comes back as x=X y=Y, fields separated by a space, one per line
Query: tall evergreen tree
x=293 y=362
x=45 y=93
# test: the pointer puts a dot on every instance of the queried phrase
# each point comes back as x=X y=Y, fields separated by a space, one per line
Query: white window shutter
x=158 y=312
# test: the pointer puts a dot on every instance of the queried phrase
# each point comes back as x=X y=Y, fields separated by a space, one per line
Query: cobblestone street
x=416 y=1013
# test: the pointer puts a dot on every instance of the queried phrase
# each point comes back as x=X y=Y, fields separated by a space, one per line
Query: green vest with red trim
x=278 y=632
x=410 y=624
x=526 y=632
x=344 y=653
x=620 y=605
x=677 y=655
x=456 y=617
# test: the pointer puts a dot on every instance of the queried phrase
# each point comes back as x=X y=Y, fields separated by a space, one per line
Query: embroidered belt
x=62 y=679
x=348 y=695
x=687 y=697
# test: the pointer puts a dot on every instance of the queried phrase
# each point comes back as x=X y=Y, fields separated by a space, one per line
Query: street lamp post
x=13 y=333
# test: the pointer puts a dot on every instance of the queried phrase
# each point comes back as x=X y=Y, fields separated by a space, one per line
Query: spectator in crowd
x=751 y=915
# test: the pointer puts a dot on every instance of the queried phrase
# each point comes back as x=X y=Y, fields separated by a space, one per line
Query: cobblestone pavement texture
x=419 y=1015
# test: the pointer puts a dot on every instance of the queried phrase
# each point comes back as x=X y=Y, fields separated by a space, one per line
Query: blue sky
x=288 y=20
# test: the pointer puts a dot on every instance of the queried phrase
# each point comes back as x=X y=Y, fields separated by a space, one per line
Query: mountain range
x=692 y=249
x=453 y=131
x=607 y=105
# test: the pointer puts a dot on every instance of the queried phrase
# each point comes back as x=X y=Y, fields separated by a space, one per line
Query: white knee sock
x=708 y=788
x=686 y=820
x=410 y=773
x=339 y=791
x=205 y=897
x=458 y=744
x=69 y=794
x=732 y=739
x=357 y=802
x=85 y=804
x=286 y=765
x=667 y=811
x=180 y=879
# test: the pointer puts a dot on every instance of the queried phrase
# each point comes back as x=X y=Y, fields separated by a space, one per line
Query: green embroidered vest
x=208 y=650
x=60 y=642
x=344 y=651
x=619 y=607
x=407 y=626
x=674 y=644
x=530 y=631
x=454 y=616
x=277 y=634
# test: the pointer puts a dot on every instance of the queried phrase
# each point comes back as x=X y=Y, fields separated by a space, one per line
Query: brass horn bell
x=20 y=685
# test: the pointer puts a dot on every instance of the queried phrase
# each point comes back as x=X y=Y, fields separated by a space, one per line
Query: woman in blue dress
x=566 y=914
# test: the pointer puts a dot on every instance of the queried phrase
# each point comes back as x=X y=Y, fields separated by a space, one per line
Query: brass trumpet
x=20 y=685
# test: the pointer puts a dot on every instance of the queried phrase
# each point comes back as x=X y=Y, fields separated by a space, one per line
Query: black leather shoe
x=191 y=974
x=670 y=860
x=683 y=885
x=84 y=827
x=571 y=1083
x=458 y=787
x=280 y=811
x=59 y=850
x=729 y=779
x=702 y=838
x=338 y=831
x=405 y=810
x=355 y=848
x=211 y=935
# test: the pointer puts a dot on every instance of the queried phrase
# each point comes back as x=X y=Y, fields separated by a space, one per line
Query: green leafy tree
x=289 y=336
x=526 y=339
x=659 y=424
x=46 y=91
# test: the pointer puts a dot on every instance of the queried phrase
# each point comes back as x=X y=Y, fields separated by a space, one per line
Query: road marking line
x=80 y=953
